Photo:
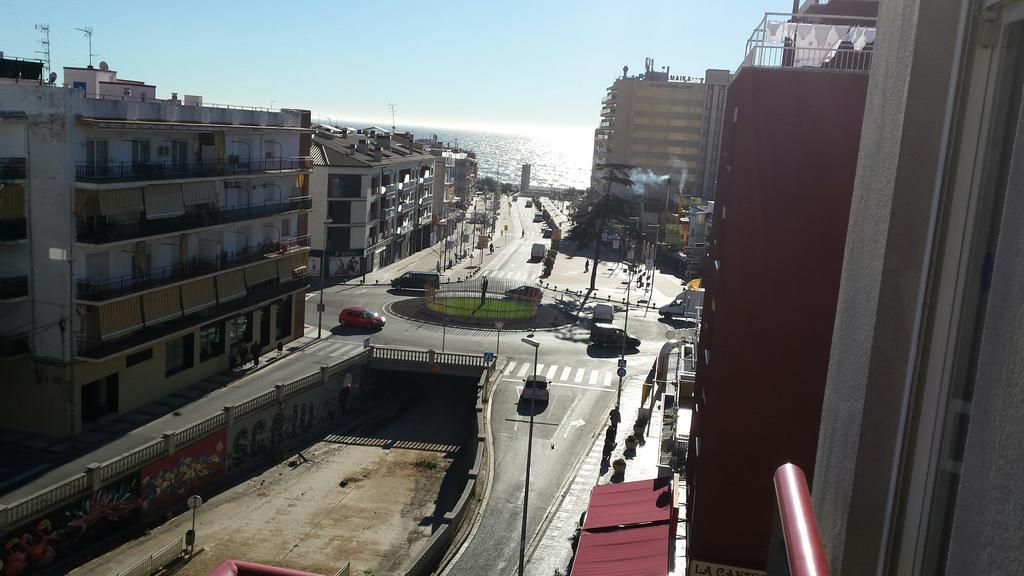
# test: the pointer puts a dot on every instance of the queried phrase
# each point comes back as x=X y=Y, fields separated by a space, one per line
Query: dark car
x=535 y=388
x=547 y=232
x=417 y=281
x=525 y=293
x=602 y=334
x=359 y=316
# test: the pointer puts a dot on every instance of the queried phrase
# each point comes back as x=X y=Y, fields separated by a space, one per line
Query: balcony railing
x=132 y=171
x=14 y=229
x=390 y=188
x=13 y=287
x=99 y=290
x=11 y=346
x=101 y=229
x=779 y=42
x=795 y=548
x=12 y=168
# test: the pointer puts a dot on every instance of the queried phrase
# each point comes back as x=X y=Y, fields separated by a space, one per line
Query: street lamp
x=194 y=502
x=654 y=270
x=529 y=456
x=323 y=270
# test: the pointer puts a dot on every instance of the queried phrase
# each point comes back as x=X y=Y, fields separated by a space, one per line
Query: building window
x=344 y=186
x=211 y=341
x=180 y=354
x=339 y=239
x=340 y=212
x=138 y=357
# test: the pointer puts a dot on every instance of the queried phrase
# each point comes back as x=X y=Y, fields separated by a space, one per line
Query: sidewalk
x=552 y=547
x=110 y=438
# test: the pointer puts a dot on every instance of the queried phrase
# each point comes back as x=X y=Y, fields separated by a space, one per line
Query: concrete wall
x=789 y=154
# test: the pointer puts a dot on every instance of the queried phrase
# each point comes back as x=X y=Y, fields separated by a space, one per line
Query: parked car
x=687 y=304
x=529 y=203
x=416 y=281
x=538 y=250
x=603 y=313
x=535 y=388
x=526 y=293
x=538 y=217
x=602 y=334
x=546 y=232
x=359 y=316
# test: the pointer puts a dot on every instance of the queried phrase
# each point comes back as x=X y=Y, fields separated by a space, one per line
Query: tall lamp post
x=323 y=275
x=529 y=457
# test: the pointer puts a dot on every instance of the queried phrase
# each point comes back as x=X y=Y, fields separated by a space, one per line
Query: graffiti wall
x=55 y=537
x=170 y=481
x=258 y=435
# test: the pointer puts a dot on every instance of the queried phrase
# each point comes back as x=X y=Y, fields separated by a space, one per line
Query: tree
x=487 y=183
x=594 y=217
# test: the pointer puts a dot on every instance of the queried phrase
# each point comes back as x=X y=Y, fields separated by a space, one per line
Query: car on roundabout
x=525 y=293
x=360 y=317
x=535 y=388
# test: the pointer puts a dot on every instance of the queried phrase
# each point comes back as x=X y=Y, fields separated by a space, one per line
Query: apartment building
x=144 y=243
x=788 y=160
x=373 y=195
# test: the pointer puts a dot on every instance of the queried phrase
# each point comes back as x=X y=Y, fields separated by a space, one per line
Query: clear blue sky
x=488 y=64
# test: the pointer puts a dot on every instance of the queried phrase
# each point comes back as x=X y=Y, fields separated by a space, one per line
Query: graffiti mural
x=258 y=436
x=56 y=536
x=171 y=480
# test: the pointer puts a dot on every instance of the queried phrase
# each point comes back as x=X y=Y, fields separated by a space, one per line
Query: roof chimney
x=362 y=146
x=378 y=153
x=384 y=141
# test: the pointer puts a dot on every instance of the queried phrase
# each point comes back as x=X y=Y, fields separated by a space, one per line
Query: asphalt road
x=581 y=396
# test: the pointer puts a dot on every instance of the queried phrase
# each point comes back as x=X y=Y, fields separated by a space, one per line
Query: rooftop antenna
x=44 y=43
x=88 y=34
x=393 y=108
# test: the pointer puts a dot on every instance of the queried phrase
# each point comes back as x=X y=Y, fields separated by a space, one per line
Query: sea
x=559 y=158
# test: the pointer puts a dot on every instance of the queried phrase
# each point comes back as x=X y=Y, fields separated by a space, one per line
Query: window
x=340 y=212
x=240 y=328
x=138 y=358
x=180 y=354
x=344 y=186
x=211 y=341
x=339 y=239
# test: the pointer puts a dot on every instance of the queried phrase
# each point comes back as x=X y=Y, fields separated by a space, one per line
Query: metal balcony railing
x=13 y=287
x=102 y=229
x=99 y=290
x=795 y=547
x=16 y=345
x=14 y=229
x=12 y=168
x=778 y=41
x=141 y=171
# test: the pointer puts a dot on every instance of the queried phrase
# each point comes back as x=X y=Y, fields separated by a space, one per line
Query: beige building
x=667 y=125
x=144 y=242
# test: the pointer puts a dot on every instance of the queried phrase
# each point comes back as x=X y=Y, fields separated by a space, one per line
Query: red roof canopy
x=629 y=503
x=239 y=568
x=637 y=551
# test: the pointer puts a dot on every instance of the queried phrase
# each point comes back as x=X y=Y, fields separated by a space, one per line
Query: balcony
x=12 y=168
x=408 y=186
x=390 y=188
x=140 y=172
x=102 y=230
x=98 y=291
x=13 y=229
x=13 y=287
x=783 y=40
x=14 y=346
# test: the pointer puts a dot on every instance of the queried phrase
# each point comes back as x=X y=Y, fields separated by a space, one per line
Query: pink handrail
x=799 y=527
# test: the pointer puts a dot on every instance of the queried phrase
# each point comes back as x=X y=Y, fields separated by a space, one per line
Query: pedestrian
x=255 y=354
x=280 y=347
x=243 y=352
x=586 y=265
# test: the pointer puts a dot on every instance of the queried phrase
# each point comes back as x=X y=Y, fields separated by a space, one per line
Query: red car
x=359 y=316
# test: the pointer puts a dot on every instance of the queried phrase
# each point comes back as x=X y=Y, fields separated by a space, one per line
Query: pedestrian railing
x=98 y=475
x=156 y=561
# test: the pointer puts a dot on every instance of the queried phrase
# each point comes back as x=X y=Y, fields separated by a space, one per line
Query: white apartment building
x=144 y=242
x=373 y=195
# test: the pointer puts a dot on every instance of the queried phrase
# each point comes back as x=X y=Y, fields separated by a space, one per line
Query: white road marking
x=523 y=369
x=579 y=375
x=567 y=385
x=607 y=378
x=551 y=372
x=539 y=369
x=565 y=373
x=593 y=377
x=308 y=296
x=574 y=424
x=508 y=369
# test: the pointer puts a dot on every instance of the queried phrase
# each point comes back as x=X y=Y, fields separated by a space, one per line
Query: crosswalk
x=562 y=374
x=509 y=274
x=336 y=348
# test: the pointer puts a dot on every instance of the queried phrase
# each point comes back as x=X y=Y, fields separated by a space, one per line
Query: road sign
x=321 y=307
x=499 y=325
x=621 y=372
x=488 y=357
x=622 y=362
x=506 y=227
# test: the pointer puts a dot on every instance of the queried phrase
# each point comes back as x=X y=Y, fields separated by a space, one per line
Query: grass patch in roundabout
x=489 y=309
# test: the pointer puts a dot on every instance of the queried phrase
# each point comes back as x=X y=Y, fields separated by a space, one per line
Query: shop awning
x=230 y=285
x=164 y=201
x=121 y=201
x=260 y=273
x=120 y=317
x=198 y=294
x=635 y=551
x=12 y=202
x=161 y=305
x=201 y=192
x=629 y=503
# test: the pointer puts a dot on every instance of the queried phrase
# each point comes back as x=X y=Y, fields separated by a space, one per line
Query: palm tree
x=591 y=220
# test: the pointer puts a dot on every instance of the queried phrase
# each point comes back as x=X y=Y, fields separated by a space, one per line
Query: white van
x=538 y=250
x=603 y=313
x=687 y=304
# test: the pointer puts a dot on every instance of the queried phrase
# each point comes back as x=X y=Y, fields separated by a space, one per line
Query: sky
x=494 y=65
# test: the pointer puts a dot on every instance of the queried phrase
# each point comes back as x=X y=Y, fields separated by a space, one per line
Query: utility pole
x=393 y=107
x=88 y=34
x=44 y=43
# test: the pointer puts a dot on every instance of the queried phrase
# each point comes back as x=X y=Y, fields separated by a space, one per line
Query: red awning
x=634 y=551
x=238 y=568
x=629 y=504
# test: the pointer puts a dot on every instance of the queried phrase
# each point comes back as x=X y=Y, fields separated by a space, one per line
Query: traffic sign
x=499 y=325
x=506 y=227
x=622 y=362
x=621 y=372
x=488 y=357
x=321 y=307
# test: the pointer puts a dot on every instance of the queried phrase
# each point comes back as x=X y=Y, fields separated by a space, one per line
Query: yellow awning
x=164 y=201
x=122 y=201
x=120 y=317
x=198 y=294
x=230 y=285
x=161 y=305
x=12 y=202
x=260 y=273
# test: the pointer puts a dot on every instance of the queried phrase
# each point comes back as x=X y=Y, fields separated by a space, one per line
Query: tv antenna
x=393 y=108
x=88 y=34
x=44 y=43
